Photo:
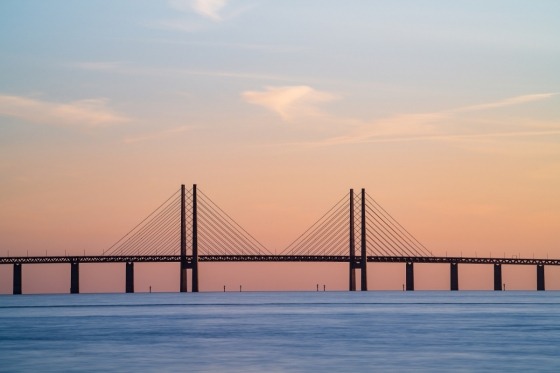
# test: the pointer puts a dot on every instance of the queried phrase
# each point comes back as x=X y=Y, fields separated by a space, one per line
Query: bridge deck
x=273 y=258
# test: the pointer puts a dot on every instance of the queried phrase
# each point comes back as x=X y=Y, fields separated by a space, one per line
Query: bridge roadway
x=355 y=263
x=273 y=258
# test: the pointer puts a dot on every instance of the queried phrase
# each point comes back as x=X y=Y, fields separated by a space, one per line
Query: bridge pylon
x=183 y=268
x=193 y=265
x=352 y=260
x=355 y=263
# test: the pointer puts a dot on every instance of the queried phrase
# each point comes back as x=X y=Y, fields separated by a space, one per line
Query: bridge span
x=215 y=237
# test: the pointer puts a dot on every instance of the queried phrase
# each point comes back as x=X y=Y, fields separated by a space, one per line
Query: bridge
x=189 y=228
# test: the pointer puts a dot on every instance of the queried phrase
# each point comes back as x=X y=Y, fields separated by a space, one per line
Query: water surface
x=281 y=332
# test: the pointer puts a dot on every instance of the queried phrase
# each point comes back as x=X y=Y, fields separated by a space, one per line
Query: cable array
x=158 y=234
x=387 y=237
x=327 y=236
x=219 y=234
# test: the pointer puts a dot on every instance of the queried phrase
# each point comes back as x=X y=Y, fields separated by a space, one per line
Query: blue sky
x=455 y=98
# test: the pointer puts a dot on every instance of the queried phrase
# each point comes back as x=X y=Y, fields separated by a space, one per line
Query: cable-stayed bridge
x=190 y=228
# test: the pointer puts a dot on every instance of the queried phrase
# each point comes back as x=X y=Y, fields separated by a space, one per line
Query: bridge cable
x=147 y=217
x=290 y=248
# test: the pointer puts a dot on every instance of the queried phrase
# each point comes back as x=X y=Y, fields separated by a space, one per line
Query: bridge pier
x=17 y=278
x=183 y=275
x=352 y=285
x=497 y=277
x=129 y=277
x=540 y=277
x=409 y=276
x=454 y=268
x=74 y=277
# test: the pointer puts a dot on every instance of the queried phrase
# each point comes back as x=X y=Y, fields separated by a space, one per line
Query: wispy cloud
x=82 y=113
x=429 y=126
x=193 y=13
x=130 y=69
x=512 y=101
x=157 y=135
x=435 y=126
x=289 y=101
x=209 y=8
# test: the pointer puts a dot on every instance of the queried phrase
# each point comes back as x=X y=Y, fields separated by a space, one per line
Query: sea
x=376 y=331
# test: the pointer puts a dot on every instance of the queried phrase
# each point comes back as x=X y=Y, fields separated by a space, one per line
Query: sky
x=447 y=112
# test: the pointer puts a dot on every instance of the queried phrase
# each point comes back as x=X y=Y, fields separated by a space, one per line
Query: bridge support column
x=454 y=268
x=17 y=278
x=540 y=277
x=130 y=277
x=183 y=264
x=183 y=271
x=497 y=277
x=363 y=269
x=409 y=276
x=74 y=277
x=194 y=243
x=352 y=279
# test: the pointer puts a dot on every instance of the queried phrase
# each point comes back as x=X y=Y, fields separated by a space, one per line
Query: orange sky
x=448 y=114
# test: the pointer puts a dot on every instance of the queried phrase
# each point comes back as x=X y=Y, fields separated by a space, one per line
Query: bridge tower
x=354 y=263
x=363 y=262
x=194 y=242
x=183 y=270
x=193 y=265
x=352 y=284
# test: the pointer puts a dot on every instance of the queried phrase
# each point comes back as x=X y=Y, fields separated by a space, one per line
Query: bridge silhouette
x=190 y=228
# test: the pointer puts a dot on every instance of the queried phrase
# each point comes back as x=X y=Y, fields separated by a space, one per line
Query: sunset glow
x=446 y=112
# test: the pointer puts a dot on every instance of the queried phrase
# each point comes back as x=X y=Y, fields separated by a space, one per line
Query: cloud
x=210 y=9
x=428 y=126
x=83 y=113
x=131 y=69
x=289 y=101
x=157 y=135
x=517 y=100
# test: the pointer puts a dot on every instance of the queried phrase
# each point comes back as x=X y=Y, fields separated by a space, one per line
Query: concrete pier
x=74 y=277
x=129 y=277
x=540 y=277
x=454 y=274
x=497 y=277
x=17 y=278
x=409 y=276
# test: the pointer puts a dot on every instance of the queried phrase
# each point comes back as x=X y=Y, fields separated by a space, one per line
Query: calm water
x=281 y=332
